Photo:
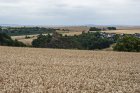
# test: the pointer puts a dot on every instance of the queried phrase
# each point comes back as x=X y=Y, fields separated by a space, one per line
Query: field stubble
x=30 y=70
x=130 y=31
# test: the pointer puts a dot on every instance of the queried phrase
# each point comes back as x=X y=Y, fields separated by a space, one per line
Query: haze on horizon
x=70 y=12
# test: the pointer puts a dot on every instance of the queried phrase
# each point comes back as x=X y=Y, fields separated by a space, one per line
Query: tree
x=128 y=44
x=88 y=41
x=94 y=29
x=6 y=40
x=0 y=29
x=42 y=41
x=27 y=30
x=111 y=28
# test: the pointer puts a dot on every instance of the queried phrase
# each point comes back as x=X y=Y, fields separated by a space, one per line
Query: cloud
x=70 y=12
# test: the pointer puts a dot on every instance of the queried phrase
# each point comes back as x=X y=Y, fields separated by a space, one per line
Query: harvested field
x=23 y=36
x=132 y=31
x=25 y=41
x=30 y=70
x=69 y=33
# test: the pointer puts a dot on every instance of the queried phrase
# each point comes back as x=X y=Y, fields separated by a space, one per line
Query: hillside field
x=132 y=31
x=25 y=40
x=35 y=70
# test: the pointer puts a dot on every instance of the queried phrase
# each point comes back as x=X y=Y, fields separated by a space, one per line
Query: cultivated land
x=24 y=40
x=132 y=31
x=30 y=70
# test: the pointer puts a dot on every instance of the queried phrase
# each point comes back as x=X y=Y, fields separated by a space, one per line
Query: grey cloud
x=70 y=12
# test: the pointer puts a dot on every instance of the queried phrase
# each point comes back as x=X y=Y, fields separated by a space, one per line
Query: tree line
x=102 y=29
x=88 y=41
x=15 y=31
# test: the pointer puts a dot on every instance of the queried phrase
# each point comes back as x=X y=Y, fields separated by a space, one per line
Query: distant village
x=111 y=35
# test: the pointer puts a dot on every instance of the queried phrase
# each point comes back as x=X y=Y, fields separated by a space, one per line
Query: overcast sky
x=70 y=12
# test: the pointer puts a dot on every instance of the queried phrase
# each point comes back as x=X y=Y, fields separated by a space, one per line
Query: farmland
x=77 y=30
x=27 y=41
x=130 y=31
x=30 y=70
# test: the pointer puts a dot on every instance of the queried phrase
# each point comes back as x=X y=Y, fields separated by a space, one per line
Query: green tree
x=6 y=40
x=111 y=28
x=0 y=29
x=128 y=43
x=88 y=41
x=94 y=29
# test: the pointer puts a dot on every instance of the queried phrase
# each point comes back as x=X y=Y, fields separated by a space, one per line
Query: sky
x=70 y=12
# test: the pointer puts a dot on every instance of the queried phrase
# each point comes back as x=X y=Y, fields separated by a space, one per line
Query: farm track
x=30 y=70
